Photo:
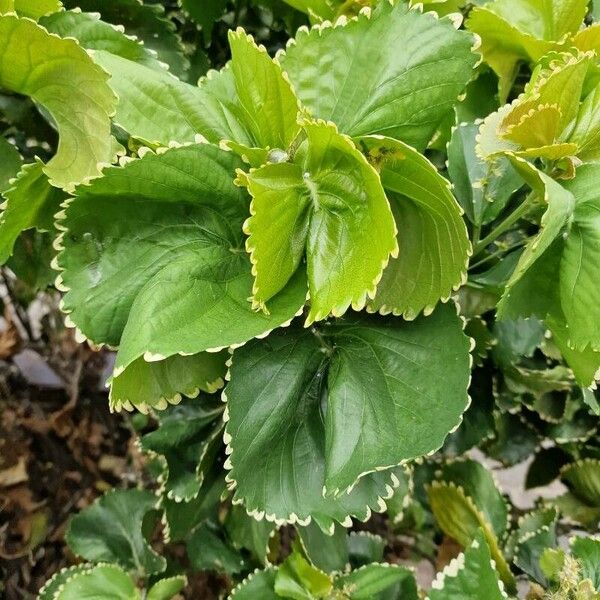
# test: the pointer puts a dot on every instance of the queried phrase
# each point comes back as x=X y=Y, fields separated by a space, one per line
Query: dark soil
x=60 y=448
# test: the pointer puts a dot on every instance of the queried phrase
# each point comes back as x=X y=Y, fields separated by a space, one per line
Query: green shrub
x=330 y=269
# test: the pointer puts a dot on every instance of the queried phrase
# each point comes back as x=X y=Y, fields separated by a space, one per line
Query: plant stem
x=476 y=235
x=510 y=220
x=497 y=253
x=295 y=144
x=327 y=348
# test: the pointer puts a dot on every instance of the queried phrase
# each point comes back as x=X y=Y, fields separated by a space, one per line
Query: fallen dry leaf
x=10 y=340
x=15 y=474
x=32 y=530
x=447 y=550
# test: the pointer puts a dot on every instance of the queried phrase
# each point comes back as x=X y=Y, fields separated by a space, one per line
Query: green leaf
x=330 y=204
x=432 y=237
x=110 y=530
x=232 y=104
x=94 y=34
x=516 y=339
x=514 y=440
x=153 y=258
x=10 y=163
x=587 y=127
x=478 y=422
x=204 y=14
x=372 y=581
x=265 y=95
x=182 y=518
x=299 y=580
x=58 y=74
x=580 y=263
x=577 y=425
x=515 y=30
x=459 y=517
x=147 y=21
x=573 y=508
x=583 y=477
x=587 y=552
x=531 y=270
x=326 y=552
x=246 y=532
x=157 y=108
x=470 y=576
x=478 y=484
x=30 y=202
x=259 y=584
x=165 y=589
x=423 y=64
x=34 y=9
x=294 y=494
x=539 y=123
x=207 y=551
x=102 y=582
x=364 y=548
x=31 y=261
x=52 y=586
x=363 y=421
x=584 y=363
x=156 y=384
x=185 y=437
x=536 y=532
x=482 y=188
x=567 y=246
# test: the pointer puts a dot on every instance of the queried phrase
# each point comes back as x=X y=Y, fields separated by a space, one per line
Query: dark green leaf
x=111 y=531
x=423 y=65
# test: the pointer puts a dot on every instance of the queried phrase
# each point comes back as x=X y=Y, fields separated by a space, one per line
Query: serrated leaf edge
x=465 y=459
x=291 y=518
x=457 y=565
x=410 y=314
x=110 y=114
x=402 y=463
x=80 y=336
x=247 y=580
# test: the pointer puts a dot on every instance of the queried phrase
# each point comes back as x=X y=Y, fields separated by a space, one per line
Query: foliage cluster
x=330 y=267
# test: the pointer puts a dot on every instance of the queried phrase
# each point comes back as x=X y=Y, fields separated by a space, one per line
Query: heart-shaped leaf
x=110 y=530
x=168 y=242
x=302 y=386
